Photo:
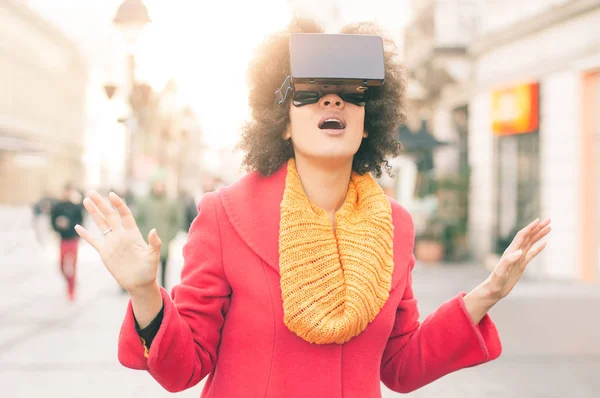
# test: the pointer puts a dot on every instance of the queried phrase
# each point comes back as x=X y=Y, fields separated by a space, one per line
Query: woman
x=297 y=278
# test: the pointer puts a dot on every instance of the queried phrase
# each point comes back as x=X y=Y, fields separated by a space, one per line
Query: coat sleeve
x=184 y=350
x=448 y=340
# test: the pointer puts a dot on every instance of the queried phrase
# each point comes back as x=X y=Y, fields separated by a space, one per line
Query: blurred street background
x=147 y=98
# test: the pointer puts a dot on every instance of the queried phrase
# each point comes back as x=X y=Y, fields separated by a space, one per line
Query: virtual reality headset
x=344 y=64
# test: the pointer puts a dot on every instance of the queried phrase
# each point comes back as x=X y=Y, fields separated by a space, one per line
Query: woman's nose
x=332 y=100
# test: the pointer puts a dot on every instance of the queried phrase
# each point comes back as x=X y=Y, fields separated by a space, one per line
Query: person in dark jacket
x=190 y=208
x=158 y=211
x=65 y=214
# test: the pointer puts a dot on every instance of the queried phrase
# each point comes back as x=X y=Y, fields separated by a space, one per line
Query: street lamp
x=130 y=19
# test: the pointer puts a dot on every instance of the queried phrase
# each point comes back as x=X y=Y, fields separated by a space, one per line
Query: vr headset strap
x=282 y=92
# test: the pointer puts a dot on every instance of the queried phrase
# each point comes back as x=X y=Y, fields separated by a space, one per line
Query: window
x=518 y=185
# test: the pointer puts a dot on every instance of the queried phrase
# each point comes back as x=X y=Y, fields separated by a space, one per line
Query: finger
x=521 y=237
x=531 y=225
x=530 y=228
x=538 y=228
x=98 y=218
x=85 y=235
x=539 y=235
x=154 y=239
x=544 y=223
x=124 y=212
x=109 y=214
x=536 y=250
x=542 y=229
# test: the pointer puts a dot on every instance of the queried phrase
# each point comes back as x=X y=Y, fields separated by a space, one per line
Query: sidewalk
x=54 y=348
x=536 y=318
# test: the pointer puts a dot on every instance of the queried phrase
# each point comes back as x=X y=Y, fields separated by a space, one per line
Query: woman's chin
x=331 y=155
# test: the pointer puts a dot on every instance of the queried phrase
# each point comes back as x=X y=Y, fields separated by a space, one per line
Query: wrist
x=143 y=293
x=487 y=292
x=483 y=295
x=479 y=301
x=146 y=303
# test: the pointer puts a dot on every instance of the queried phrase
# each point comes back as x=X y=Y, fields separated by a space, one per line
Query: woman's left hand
x=521 y=251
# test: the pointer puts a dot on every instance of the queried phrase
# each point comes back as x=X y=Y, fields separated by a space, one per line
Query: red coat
x=226 y=317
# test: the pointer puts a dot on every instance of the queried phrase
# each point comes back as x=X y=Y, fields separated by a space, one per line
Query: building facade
x=436 y=41
x=42 y=99
x=534 y=143
x=514 y=87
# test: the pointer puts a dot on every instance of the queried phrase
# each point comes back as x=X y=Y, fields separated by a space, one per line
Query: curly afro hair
x=262 y=136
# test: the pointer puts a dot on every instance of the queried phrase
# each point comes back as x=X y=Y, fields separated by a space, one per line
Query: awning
x=420 y=140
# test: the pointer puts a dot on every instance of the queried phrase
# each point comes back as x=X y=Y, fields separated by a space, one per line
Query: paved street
x=50 y=347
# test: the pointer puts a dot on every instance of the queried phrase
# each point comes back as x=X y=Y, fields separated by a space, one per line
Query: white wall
x=544 y=52
x=560 y=189
x=481 y=198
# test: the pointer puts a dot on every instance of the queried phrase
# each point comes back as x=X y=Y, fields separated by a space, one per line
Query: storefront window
x=518 y=189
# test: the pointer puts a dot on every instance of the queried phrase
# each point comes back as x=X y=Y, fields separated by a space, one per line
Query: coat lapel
x=253 y=207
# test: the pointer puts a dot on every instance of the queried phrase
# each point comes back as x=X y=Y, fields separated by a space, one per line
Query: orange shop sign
x=515 y=109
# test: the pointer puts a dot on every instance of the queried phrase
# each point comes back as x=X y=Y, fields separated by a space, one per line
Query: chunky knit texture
x=334 y=283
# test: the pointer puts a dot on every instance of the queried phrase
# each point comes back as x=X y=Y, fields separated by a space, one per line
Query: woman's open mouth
x=332 y=125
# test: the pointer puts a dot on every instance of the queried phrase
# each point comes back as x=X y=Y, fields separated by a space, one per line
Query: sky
x=205 y=46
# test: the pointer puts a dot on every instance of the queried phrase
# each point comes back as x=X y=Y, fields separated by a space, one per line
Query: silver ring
x=107 y=231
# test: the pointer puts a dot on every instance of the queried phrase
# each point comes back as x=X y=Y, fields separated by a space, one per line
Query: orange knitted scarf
x=334 y=283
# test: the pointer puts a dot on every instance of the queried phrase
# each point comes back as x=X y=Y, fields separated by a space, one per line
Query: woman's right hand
x=131 y=261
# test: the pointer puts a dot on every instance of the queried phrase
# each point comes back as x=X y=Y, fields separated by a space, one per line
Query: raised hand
x=521 y=251
x=131 y=261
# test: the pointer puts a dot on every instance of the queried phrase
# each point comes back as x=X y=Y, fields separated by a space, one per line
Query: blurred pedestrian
x=65 y=214
x=129 y=198
x=189 y=206
x=41 y=220
x=297 y=279
x=158 y=211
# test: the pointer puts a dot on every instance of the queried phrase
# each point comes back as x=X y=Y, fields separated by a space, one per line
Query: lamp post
x=130 y=19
